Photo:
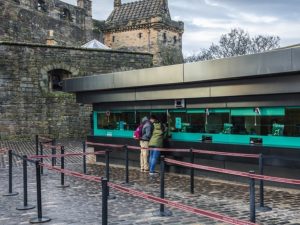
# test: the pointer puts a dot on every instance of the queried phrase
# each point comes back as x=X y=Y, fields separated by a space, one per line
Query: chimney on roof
x=117 y=3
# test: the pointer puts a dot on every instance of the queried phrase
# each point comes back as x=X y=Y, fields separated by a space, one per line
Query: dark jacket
x=147 y=131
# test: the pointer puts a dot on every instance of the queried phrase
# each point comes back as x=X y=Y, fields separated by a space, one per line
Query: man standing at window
x=144 y=143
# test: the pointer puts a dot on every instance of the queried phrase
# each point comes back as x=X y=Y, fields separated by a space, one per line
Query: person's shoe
x=154 y=173
x=142 y=170
x=146 y=171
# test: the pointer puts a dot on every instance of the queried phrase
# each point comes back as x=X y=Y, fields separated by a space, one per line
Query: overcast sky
x=206 y=20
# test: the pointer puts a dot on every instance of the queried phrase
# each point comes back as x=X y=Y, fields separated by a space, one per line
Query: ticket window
x=117 y=121
x=187 y=122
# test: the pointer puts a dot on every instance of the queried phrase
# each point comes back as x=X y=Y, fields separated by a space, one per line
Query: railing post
x=53 y=152
x=25 y=193
x=252 y=198
x=107 y=175
x=42 y=160
x=10 y=175
x=36 y=144
x=62 y=167
x=39 y=218
x=162 y=211
x=84 y=157
x=192 y=172
x=126 y=165
x=262 y=207
x=104 y=182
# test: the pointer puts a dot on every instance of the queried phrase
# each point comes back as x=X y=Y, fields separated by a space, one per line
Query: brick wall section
x=24 y=23
x=28 y=107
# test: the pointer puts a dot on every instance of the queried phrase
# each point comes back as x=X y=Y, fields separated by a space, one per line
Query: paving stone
x=81 y=202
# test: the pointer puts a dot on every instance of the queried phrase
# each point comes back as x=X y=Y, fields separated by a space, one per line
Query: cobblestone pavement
x=81 y=202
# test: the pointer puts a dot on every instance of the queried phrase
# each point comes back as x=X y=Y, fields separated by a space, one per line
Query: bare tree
x=237 y=42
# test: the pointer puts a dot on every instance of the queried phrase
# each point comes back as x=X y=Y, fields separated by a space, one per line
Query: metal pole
x=126 y=165
x=40 y=218
x=192 y=172
x=107 y=173
x=252 y=198
x=162 y=183
x=162 y=211
x=104 y=182
x=262 y=206
x=10 y=181
x=53 y=152
x=84 y=156
x=36 y=144
x=62 y=167
x=25 y=193
x=42 y=160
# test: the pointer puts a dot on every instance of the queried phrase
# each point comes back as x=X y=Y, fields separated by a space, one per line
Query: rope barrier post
x=39 y=218
x=192 y=172
x=53 y=152
x=62 y=167
x=162 y=211
x=126 y=165
x=36 y=144
x=10 y=176
x=262 y=207
x=84 y=157
x=25 y=193
x=111 y=197
x=105 y=194
x=252 y=198
x=42 y=160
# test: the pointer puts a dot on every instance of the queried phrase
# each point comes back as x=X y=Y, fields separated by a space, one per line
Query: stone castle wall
x=22 y=21
x=160 y=43
x=28 y=106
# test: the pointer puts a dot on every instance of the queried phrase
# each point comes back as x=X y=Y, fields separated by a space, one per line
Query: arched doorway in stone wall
x=56 y=77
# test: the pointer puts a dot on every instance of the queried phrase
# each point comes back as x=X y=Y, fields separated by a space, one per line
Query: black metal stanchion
x=127 y=166
x=10 y=176
x=104 y=200
x=42 y=160
x=110 y=197
x=262 y=207
x=40 y=218
x=53 y=152
x=36 y=144
x=62 y=166
x=25 y=193
x=84 y=157
x=162 y=211
x=252 y=198
x=192 y=172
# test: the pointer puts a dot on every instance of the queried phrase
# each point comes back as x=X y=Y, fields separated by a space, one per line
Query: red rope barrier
x=233 y=172
x=45 y=138
x=56 y=147
x=64 y=155
x=105 y=145
x=186 y=208
x=159 y=149
x=244 y=155
x=3 y=150
x=71 y=173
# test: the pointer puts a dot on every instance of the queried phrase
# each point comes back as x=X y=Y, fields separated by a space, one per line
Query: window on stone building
x=140 y=35
x=56 y=78
x=41 y=6
x=175 y=40
x=66 y=15
x=164 y=37
x=113 y=39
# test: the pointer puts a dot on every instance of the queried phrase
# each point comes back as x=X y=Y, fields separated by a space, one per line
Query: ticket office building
x=242 y=104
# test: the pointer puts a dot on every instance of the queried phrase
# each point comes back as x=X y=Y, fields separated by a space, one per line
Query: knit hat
x=144 y=119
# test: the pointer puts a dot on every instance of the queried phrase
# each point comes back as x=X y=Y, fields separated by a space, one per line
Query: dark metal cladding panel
x=97 y=82
x=296 y=59
x=261 y=86
x=242 y=66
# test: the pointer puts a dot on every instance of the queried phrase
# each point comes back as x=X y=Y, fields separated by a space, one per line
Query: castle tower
x=145 y=26
x=87 y=5
x=117 y=3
